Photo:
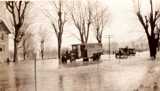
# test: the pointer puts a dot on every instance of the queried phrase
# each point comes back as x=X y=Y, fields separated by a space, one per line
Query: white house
x=4 y=41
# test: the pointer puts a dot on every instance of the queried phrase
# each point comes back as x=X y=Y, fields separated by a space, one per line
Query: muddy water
x=106 y=76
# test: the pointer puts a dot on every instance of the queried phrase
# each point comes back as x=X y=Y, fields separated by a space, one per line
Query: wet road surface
x=108 y=75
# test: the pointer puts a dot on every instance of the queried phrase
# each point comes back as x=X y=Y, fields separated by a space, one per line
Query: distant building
x=4 y=41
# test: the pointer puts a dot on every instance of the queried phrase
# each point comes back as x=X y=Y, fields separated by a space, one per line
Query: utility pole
x=35 y=72
x=109 y=44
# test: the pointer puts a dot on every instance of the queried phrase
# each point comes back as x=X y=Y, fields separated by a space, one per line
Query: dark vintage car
x=132 y=51
x=125 y=52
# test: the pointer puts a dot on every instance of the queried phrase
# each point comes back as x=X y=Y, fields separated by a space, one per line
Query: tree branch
x=9 y=6
x=55 y=29
x=141 y=19
x=23 y=11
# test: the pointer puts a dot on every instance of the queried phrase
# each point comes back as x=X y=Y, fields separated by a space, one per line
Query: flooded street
x=108 y=75
x=80 y=45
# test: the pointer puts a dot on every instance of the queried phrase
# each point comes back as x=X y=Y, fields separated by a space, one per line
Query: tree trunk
x=99 y=41
x=99 y=37
x=24 y=51
x=42 y=54
x=152 y=47
x=42 y=49
x=59 y=51
x=15 y=58
x=24 y=55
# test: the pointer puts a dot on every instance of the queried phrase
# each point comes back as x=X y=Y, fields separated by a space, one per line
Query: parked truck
x=83 y=51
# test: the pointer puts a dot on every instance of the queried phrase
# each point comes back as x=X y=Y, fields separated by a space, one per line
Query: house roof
x=4 y=24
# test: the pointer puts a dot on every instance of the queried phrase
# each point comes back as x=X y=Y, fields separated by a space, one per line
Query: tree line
x=85 y=15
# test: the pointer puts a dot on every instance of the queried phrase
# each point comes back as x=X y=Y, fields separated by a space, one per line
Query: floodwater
x=113 y=75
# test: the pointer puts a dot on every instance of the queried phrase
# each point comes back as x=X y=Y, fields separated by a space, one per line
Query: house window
x=2 y=36
x=0 y=49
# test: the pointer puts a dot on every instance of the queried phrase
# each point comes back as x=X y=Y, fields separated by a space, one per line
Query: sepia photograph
x=80 y=45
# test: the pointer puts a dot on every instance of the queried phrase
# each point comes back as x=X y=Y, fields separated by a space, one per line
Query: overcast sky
x=122 y=23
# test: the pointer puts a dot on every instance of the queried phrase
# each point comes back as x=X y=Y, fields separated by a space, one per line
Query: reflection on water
x=61 y=83
x=20 y=77
x=80 y=81
x=14 y=79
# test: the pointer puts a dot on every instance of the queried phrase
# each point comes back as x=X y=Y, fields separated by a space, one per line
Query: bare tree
x=43 y=39
x=149 y=23
x=58 y=22
x=24 y=49
x=99 y=21
x=158 y=30
x=17 y=9
x=81 y=15
x=42 y=48
x=26 y=44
